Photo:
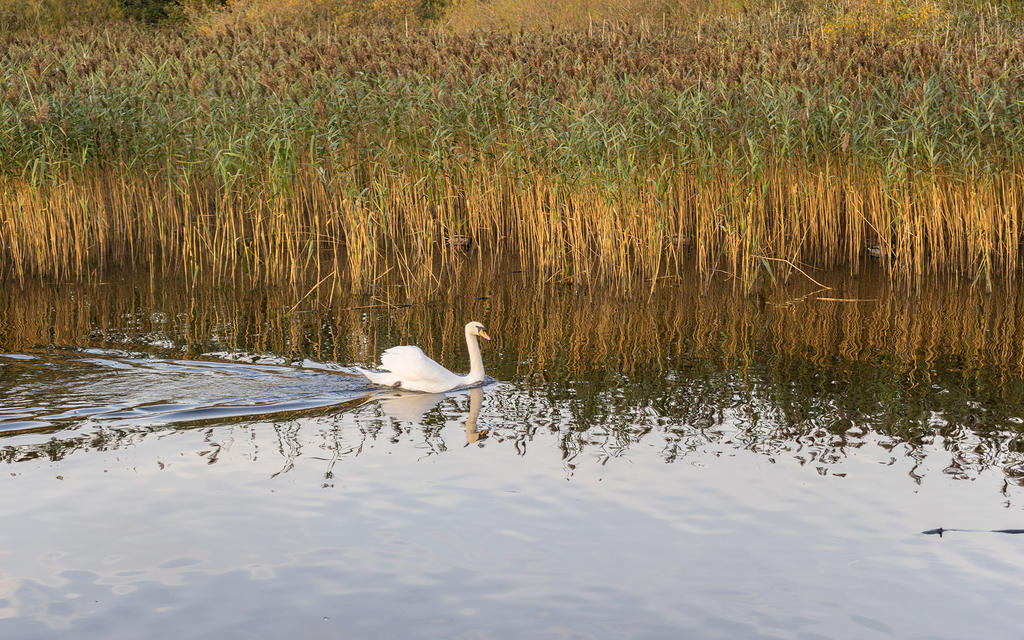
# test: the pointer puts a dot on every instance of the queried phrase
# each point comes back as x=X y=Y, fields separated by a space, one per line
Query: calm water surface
x=189 y=462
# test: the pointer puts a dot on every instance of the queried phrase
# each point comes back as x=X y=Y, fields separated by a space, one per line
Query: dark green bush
x=148 y=10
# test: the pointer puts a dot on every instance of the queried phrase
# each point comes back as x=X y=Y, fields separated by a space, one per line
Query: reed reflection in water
x=792 y=371
x=689 y=463
x=867 y=319
x=358 y=523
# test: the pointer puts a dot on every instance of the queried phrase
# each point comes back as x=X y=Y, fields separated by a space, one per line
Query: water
x=190 y=462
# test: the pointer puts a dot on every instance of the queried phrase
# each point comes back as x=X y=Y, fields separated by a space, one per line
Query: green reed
x=600 y=154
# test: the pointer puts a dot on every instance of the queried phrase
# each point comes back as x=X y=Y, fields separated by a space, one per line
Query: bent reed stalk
x=755 y=144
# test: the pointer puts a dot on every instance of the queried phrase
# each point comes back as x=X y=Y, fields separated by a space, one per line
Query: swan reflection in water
x=412 y=407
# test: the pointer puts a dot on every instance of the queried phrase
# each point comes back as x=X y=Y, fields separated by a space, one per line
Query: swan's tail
x=385 y=378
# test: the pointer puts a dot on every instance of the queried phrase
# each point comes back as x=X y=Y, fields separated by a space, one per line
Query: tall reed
x=755 y=143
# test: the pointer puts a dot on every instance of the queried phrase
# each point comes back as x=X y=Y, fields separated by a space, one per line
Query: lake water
x=199 y=461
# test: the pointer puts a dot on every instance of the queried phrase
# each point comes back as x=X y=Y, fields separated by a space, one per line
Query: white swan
x=409 y=368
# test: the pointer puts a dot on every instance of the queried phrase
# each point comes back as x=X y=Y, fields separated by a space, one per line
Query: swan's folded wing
x=410 y=363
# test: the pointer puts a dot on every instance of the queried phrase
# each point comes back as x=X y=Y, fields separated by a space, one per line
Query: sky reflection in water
x=153 y=495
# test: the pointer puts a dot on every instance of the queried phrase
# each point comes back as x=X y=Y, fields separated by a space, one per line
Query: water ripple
x=118 y=388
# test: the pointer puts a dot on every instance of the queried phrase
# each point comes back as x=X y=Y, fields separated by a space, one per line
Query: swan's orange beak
x=483 y=334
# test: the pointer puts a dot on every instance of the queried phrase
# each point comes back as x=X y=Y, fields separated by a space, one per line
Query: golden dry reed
x=793 y=216
x=754 y=146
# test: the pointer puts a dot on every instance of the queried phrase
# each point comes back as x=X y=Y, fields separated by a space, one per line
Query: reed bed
x=617 y=153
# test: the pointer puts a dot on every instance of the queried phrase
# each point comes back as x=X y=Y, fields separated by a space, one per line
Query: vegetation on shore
x=747 y=143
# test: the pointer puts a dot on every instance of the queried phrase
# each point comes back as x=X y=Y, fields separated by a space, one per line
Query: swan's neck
x=476 y=361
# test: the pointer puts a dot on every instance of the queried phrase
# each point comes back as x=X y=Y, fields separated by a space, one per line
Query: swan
x=407 y=367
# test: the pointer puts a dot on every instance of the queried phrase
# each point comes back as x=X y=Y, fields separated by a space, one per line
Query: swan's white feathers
x=385 y=378
x=407 y=367
x=409 y=364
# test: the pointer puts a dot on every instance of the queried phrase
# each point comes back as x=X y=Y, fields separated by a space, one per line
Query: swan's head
x=477 y=329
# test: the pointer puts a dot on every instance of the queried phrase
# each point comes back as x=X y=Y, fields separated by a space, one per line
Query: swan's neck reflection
x=476 y=396
x=411 y=407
